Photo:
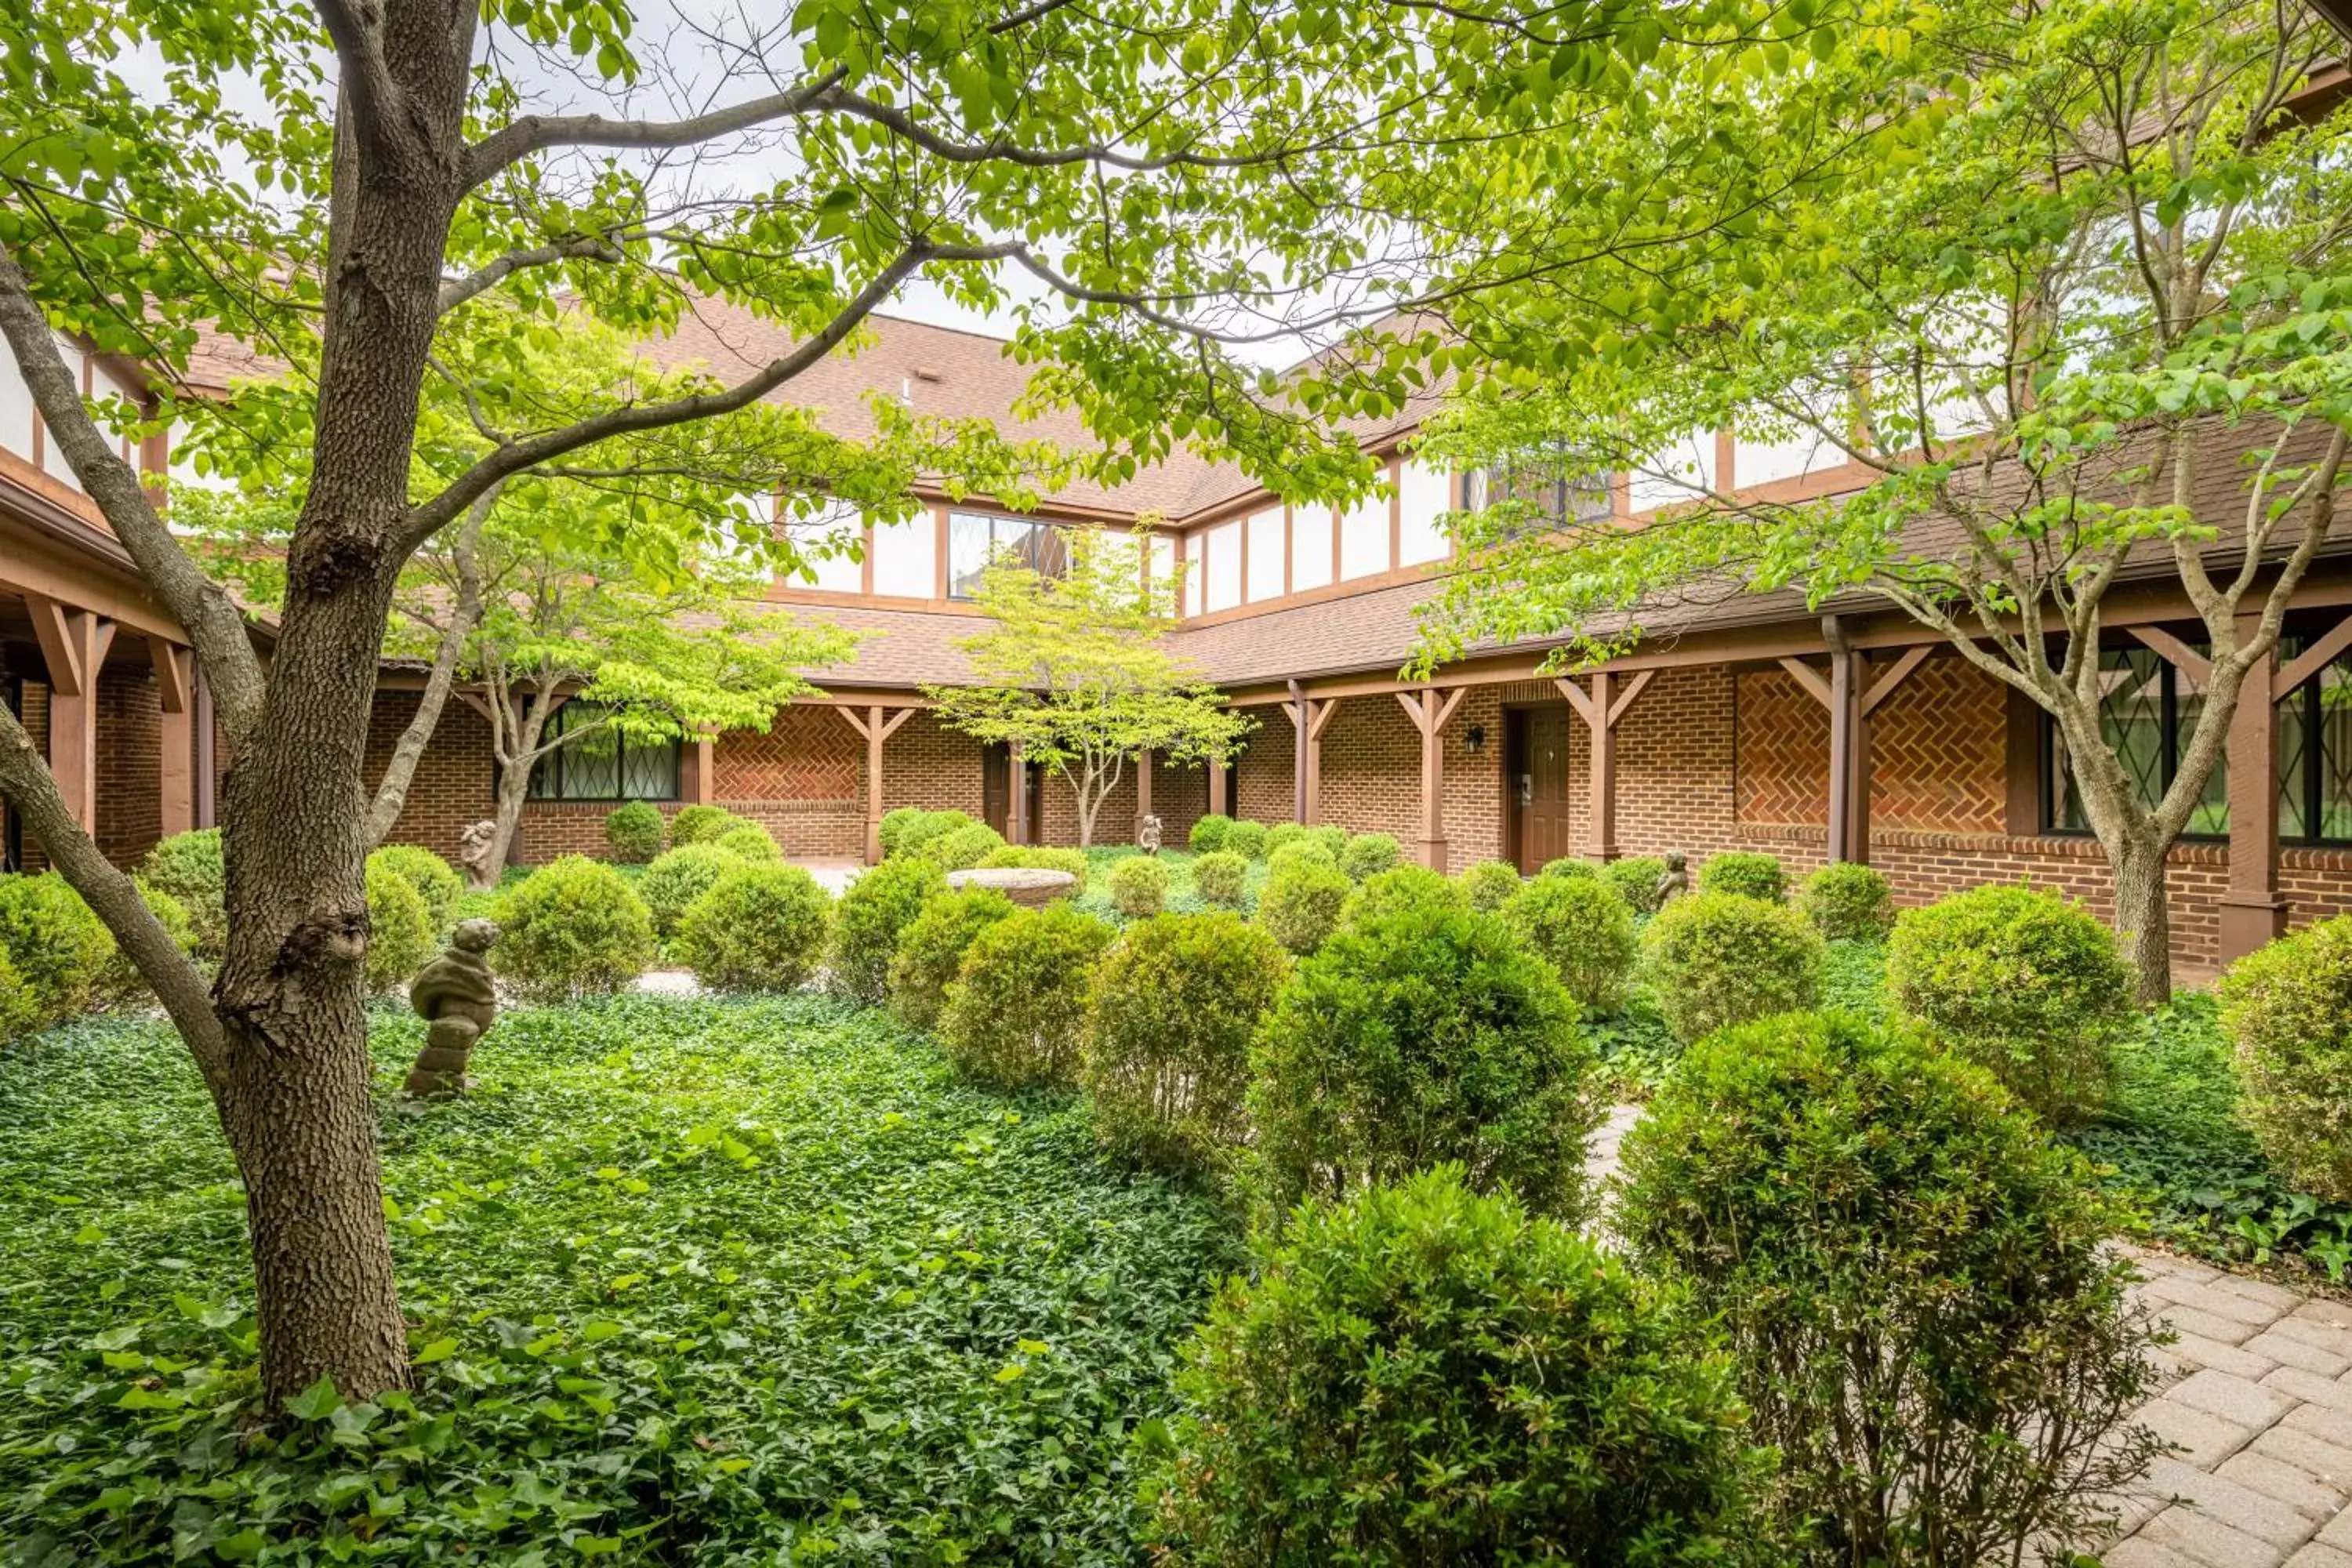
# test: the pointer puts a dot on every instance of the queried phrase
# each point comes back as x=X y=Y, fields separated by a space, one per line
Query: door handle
x=1526 y=789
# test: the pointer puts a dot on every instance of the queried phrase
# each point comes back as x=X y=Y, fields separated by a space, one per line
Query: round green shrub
x=1247 y=839
x=1490 y=884
x=633 y=832
x=188 y=866
x=1635 y=878
x=1169 y=1021
x=400 y=927
x=1581 y=927
x=573 y=928
x=1299 y=851
x=1915 y=1284
x=1423 y=1037
x=120 y=984
x=20 y=1008
x=2287 y=1013
x=749 y=841
x=1219 y=877
x=1397 y=889
x=1570 y=865
x=894 y=825
x=1015 y=1010
x=1330 y=836
x=2022 y=983
x=1300 y=903
x=932 y=949
x=1747 y=872
x=57 y=944
x=1139 y=886
x=960 y=848
x=1038 y=857
x=678 y=877
x=873 y=912
x=435 y=880
x=925 y=826
x=1428 y=1376
x=1368 y=855
x=1848 y=902
x=761 y=927
x=1281 y=835
x=1209 y=834
x=700 y=823
x=1719 y=959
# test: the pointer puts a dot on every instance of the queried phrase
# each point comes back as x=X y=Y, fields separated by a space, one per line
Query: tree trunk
x=2141 y=914
x=514 y=792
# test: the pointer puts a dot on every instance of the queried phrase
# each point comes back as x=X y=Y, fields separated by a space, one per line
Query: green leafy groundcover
x=688 y=1282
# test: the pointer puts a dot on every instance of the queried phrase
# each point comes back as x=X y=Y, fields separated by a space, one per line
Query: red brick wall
x=1266 y=778
x=803 y=779
x=36 y=720
x=130 y=764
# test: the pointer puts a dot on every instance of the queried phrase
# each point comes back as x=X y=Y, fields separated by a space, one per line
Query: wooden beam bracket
x=2313 y=659
x=1883 y=687
x=2177 y=654
x=1816 y=686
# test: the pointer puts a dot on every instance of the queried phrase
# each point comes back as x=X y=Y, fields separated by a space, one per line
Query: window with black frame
x=1545 y=483
x=2315 y=753
x=604 y=766
x=977 y=539
x=2147 y=711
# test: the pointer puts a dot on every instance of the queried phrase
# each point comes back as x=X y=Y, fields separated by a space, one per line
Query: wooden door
x=1537 y=782
x=996 y=792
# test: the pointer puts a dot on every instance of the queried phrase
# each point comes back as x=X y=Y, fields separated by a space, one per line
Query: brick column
x=74 y=644
x=2252 y=915
x=176 y=769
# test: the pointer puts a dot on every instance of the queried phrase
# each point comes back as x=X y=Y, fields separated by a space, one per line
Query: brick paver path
x=2258 y=1406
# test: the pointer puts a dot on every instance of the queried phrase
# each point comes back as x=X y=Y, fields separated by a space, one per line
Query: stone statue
x=454 y=996
x=1675 y=879
x=1146 y=835
x=473 y=854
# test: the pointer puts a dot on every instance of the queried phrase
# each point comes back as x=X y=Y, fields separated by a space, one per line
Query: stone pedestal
x=1029 y=888
x=440 y=1069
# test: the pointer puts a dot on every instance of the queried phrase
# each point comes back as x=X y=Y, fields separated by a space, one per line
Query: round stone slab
x=1031 y=888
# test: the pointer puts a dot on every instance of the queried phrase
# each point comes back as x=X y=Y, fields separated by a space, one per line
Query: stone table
x=1031 y=888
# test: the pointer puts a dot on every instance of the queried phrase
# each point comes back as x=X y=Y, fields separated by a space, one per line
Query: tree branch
x=586 y=247
x=32 y=789
x=464 y=614
x=537 y=132
x=367 y=86
x=201 y=605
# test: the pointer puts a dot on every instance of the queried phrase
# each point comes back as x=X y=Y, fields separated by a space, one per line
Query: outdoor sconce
x=1475 y=738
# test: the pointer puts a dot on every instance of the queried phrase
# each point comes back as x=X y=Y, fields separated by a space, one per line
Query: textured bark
x=2142 y=918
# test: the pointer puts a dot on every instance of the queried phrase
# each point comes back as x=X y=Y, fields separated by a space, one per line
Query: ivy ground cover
x=687 y=1282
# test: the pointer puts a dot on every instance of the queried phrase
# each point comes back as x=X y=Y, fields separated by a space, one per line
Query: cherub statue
x=1146 y=835
x=1675 y=879
x=454 y=994
x=473 y=854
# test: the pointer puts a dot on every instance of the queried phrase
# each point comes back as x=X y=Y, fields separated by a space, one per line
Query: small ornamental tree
x=1073 y=674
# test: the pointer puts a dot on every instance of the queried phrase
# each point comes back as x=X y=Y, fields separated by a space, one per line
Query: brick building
x=1730 y=733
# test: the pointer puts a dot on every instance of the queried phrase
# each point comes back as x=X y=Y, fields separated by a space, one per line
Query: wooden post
x=1318 y=717
x=175 y=761
x=1850 y=696
x=1600 y=710
x=1142 y=788
x=1301 y=720
x=1220 y=790
x=2252 y=915
x=1429 y=713
x=700 y=785
x=1016 y=813
x=73 y=645
x=877 y=726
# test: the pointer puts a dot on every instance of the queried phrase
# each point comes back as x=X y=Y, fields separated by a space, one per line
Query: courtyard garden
x=1222 y=1208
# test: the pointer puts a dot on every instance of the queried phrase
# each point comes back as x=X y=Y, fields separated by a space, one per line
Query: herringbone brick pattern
x=1782 y=749
x=808 y=754
x=1939 y=748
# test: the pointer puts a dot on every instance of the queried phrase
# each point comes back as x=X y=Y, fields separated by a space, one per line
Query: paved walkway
x=2258 y=1407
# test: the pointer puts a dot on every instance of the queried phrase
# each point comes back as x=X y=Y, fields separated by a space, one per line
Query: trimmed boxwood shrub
x=1426 y=1375
x=678 y=877
x=1398 y=888
x=932 y=949
x=1848 y=902
x=2022 y=983
x=188 y=866
x=1209 y=833
x=435 y=880
x=1175 y=1001
x=1489 y=885
x=1219 y=877
x=1300 y=850
x=1635 y=878
x=1719 y=959
x=1368 y=854
x=920 y=829
x=2287 y=1012
x=1581 y=927
x=700 y=823
x=894 y=825
x=1747 y=872
x=1282 y=834
x=1420 y=1038
x=960 y=847
x=1037 y=857
x=761 y=927
x=573 y=928
x=1247 y=839
x=20 y=1008
x=1330 y=836
x=1015 y=1010
x=57 y=944
x=400 y=927
x=1570 y=865
x=749 y=841
x=1303 y=893
x=632 y=831
x=1139 y=886
x=1914 y=1281
x=873 y=912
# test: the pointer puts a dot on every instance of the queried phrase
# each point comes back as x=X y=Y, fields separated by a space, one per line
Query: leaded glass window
x=606 y=765
x=2147 y=711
